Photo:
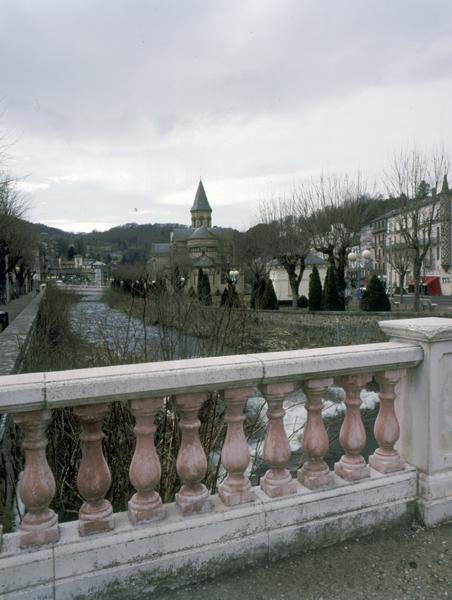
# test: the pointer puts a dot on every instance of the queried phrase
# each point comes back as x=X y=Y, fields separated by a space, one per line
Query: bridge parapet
x=154 y=543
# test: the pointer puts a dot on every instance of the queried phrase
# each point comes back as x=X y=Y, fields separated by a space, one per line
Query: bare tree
x=413 y=178
x=288 y=239
x=401 y=260
x=16 y=239
x=333 y=210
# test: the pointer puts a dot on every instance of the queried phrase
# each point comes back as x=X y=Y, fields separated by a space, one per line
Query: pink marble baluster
x=37 y=486
x=235 y=455
x=386 y=459
x=277 y=481
x=352 y=437
x=315 y=473
x=93 y=478
x=191 y=463
x=145 y=471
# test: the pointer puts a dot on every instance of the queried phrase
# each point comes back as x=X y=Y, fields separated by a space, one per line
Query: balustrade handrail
x=39 y=391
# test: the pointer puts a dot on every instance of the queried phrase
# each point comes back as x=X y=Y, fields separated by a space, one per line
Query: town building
x=200 y=246
x=387 y=236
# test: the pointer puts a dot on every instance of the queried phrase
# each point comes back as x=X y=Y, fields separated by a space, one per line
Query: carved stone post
x=191 y=464
x=277 y=481
x=235 y=455
x=386 y=459
x=315 y=473
x=145 y=471
x=352 y=437
x=37 y=486
x=93 y=478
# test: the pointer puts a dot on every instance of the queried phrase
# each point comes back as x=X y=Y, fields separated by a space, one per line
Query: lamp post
x=357 y=261
x=233 y=276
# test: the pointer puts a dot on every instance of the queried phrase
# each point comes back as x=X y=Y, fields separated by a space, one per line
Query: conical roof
x=445 y=188
x=201 y=202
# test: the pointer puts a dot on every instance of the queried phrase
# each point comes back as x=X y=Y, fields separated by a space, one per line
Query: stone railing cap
x=427 y=329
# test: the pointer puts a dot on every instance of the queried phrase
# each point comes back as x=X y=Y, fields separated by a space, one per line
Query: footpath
x=406 y=563
x=15 y=307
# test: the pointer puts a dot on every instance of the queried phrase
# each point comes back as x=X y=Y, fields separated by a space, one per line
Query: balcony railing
x=30 y=399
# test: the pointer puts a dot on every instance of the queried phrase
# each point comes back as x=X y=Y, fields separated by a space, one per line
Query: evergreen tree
x=204 y=294
x=257 y=292
x=269 y=299
x=375 y=298
x=200 y=284
x=331 y=300
x=315 y=290
x=207 y=291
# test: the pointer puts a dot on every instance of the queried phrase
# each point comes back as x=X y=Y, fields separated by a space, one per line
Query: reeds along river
x=128 y=337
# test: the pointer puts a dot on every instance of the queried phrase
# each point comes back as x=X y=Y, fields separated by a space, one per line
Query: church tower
x=201 y=213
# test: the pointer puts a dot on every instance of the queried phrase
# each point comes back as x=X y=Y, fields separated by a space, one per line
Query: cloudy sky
x=116 y=107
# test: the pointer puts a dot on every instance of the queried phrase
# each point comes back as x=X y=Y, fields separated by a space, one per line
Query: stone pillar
x=277 y=481
x=145 y=471
x=352 y=437
x=235 y=455
x=191 y=464
x=386 y=431
x=424 y=410
x=37 y=486
x=93 y=478
x=315 y=473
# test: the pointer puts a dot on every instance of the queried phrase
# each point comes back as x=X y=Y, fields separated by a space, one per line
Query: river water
x=127 y=338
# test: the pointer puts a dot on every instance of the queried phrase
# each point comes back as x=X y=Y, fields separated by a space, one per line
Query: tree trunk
x=401 y=284
x=417 y=281
x=293 y=281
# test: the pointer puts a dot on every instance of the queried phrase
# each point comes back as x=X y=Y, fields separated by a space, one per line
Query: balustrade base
x=232 y=497
x=37 y=534
x=145 y=511
x=386 y=463
x=96 y=522
x=315 y=480
x=276 y=488
x=189 y=503
x=351 y=471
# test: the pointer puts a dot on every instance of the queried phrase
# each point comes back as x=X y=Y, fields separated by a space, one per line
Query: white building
x=280 y=279
x=436 y=275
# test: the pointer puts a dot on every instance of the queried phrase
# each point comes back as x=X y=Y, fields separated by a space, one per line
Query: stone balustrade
x=379 y=492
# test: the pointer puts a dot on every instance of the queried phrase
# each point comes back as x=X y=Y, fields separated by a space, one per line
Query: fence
x=156 y=544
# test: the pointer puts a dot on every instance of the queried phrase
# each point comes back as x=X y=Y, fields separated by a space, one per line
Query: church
x=200 y=246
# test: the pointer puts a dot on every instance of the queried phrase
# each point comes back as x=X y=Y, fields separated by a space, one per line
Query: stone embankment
x=14 y=341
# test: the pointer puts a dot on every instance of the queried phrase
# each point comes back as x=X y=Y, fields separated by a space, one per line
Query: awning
x=433 y=285
x=431 y=282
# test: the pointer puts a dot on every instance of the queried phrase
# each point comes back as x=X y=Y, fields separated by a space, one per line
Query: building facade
x=388 y=242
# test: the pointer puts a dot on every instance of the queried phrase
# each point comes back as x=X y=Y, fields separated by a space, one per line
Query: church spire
x=201 y=213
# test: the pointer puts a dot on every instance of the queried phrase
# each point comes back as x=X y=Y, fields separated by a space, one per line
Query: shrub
x=315 y=290
x=269 y=299
x=374 y=297
x=302 y=302
x=331 y=300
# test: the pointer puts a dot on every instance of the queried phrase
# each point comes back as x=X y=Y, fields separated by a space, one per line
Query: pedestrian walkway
x=15 y=307
x=406 y=563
